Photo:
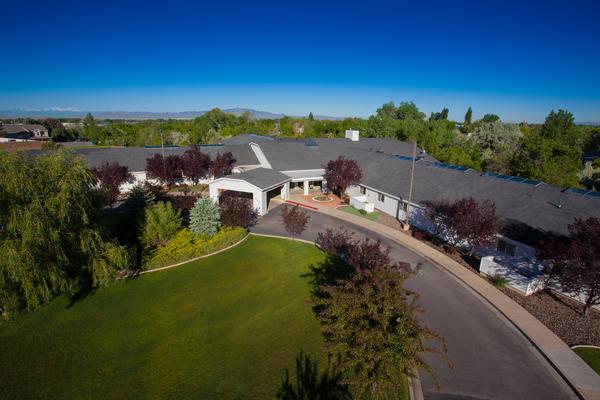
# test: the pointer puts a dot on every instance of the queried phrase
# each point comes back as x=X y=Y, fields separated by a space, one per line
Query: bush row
x=186 y=245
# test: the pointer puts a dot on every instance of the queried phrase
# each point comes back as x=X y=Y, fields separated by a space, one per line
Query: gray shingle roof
x=534 y=206
x=135 y=157
x=262 y=178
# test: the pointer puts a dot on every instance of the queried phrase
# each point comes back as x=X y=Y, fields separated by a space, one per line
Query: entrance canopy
x=262 y=183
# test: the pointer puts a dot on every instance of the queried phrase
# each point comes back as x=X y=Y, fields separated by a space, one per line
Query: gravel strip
x=561 y=316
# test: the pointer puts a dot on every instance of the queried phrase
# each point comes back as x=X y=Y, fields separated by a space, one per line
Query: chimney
x=352 y=135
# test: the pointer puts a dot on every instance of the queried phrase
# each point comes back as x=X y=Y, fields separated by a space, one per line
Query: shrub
x=499 y=280
x=204 y=217
x=362 y=212
x=237 y=211
x=186 y=245
x=161 y=223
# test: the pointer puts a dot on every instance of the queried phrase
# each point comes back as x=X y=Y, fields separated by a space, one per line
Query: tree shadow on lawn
x=89 y=290
x=326 y=272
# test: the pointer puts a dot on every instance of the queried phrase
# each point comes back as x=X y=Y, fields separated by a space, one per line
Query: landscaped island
x=222 y=327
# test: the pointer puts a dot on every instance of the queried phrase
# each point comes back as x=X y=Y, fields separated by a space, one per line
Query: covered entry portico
x=264 y=184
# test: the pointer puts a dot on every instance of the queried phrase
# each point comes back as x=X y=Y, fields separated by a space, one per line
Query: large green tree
x=549 y=160
x=50 y=238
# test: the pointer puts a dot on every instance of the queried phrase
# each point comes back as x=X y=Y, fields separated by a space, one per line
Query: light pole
x=410 y=188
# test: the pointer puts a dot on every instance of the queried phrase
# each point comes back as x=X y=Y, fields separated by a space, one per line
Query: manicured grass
x=224 y=327
x=373 y=216
x=591 y=356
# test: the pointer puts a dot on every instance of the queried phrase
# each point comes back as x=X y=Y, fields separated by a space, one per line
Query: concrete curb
x=589 y=346
x=182 y=262
x=582 y=379
x=282 y=237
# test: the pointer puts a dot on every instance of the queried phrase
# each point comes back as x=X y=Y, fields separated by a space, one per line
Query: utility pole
x=412 y=178
x=162 y=148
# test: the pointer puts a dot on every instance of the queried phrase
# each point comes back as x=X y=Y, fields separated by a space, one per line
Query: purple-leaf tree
x=236 y=211
x=110 y=177
x=167 y=170
x=294 y=220
x=342 y=173
x=195 y=164
x=221 y=165
x=574 y=262
x=465 y=221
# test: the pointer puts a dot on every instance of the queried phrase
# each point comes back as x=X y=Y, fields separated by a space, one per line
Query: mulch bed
x=561 y=315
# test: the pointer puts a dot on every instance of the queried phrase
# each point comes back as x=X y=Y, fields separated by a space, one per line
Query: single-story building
x=23 y=132
x=266 y=168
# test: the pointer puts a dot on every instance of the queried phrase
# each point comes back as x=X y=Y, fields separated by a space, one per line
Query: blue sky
x=516 y=60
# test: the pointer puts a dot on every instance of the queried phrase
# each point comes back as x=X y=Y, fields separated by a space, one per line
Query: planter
x=322 y=199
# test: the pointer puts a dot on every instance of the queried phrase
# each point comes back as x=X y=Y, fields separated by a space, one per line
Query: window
x=380 y=197
x=506 y=248
x=363 y=190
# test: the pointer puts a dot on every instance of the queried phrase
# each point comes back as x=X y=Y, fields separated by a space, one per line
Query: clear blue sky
x=519 y=59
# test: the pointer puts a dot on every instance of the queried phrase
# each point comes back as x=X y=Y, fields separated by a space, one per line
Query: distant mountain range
x=70 y=113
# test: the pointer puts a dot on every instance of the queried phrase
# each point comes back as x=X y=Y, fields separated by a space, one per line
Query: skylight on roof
x=583 y=192
x=517 y=179
x=404 y=158
x=450 y=167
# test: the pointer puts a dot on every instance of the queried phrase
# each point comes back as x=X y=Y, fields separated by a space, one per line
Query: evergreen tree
x=468 y=117
x=204 y=217
x=311 y=116
x=162 y=221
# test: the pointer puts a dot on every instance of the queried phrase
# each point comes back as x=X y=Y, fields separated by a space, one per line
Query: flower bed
x=322 y=198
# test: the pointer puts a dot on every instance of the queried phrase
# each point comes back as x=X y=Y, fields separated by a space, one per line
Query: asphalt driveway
x=491 y=359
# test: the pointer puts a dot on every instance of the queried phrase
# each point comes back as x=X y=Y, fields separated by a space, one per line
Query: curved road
x=491 y=359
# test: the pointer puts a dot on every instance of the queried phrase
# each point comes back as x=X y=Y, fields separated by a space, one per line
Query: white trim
x=260 y=156
x=251 y=184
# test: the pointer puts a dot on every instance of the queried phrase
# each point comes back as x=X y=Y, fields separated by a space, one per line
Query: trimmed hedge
x=186 y=245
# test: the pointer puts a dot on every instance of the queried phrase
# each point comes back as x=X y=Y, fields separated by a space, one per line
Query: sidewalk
x=573 y=369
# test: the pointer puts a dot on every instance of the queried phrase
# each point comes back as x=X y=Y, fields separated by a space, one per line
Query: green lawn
x=373 y=216
x=591 y=356
x=223 y=327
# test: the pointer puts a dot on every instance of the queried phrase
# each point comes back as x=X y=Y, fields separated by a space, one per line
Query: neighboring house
x=266 y=168
x=23 y=132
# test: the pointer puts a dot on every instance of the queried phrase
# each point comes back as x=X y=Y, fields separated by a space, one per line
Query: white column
x=213 y=191
x=306 y=184
x=285 y=191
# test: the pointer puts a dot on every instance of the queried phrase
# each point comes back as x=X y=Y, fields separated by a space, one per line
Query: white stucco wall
x=258 y=197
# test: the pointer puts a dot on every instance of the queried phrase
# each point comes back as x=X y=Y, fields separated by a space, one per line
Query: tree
x=204 y=217
x=294 y=220
x=195 y=164
x=441 y=116
x=311 y=116
x=110 y=177
x=167 y=170
x=490 y=118
x=222 y=165
x=236 y=211
x=371 y=322
x=51 y=238
x=574 y=262
x=161 y=223
x=466 y=221
x=497 y=143
x=90 y=128
x=560 y=125
x=341 y=173
x=549 y=160
x=468 y=117
x=407 y=110
x=310 y=385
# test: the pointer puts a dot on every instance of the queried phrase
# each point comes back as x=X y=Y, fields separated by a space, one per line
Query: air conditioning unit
x=352 y=135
